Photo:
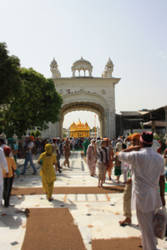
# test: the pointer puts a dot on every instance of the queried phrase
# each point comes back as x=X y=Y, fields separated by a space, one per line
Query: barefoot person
x=91 y=157
x=102 y=162
x=47 y=172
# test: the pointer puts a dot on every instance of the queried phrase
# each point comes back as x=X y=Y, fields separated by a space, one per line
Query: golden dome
x=79 y=129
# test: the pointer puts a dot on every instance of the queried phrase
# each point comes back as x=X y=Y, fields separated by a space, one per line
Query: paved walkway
x=96 y=215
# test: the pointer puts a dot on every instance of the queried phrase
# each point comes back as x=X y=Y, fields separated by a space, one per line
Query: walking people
x=66 y=150
x=148 y=174
x=91 y=157
x=102 y=162
x=8 y=177
x=29 y=145
x=3 y=165
x=47 y=172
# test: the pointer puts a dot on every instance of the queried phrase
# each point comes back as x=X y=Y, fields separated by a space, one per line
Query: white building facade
x=82 y=91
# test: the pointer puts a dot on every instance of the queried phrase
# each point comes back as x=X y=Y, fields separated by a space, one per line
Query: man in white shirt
x=147 y=174
x=3 y=165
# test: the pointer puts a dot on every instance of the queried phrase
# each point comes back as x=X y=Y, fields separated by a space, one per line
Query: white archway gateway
x=95 y=94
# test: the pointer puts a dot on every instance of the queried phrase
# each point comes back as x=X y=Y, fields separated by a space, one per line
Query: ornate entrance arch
x=88 y=106
x=95 y=94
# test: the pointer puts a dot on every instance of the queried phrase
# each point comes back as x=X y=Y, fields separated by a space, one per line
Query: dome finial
x=54 y=69
x=108 y=69
x=82 y=65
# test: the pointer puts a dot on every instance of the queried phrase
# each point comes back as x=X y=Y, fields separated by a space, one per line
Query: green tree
x=37 y=104
x=10 y=80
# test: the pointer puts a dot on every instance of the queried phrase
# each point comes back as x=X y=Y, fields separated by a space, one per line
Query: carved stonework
x=108 y=69
x=78 y=92
x=81 y=65
x=96 y=94
x=54 y=69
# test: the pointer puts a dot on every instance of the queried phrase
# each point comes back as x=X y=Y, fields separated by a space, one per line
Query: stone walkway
x=97 y=215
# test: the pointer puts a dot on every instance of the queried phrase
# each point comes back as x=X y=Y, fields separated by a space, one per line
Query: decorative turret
x=82 y=65
x=108 y=69
x=54 y=69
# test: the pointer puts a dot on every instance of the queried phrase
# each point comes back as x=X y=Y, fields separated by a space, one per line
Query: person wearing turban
x=47 y=172
x=135 y=140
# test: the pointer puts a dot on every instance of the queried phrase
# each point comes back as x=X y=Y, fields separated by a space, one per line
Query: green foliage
x=28 y=101
x=10 y=80
x=37 y=104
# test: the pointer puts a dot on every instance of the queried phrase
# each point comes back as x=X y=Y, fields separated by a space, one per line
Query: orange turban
x=133 y=136
x=105 y=139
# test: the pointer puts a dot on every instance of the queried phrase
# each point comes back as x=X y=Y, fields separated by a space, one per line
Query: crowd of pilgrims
x=137 y=155
x=100 y=155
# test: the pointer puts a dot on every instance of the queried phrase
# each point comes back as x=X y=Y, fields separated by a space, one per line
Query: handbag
x=160 y=222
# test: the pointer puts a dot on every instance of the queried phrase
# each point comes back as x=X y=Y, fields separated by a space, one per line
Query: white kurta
x=147 y=167
x=3 y=165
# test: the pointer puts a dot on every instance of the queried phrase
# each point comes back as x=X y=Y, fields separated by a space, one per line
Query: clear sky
x=133 y=33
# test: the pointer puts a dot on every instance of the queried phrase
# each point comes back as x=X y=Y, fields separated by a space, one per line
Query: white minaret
x=54 y=69
x=108 y=69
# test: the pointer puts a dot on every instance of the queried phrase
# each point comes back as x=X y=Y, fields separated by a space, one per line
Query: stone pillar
x=112 y=125
x=101 y=126
x=109 y=124
x=105 y=128
x=57 y=129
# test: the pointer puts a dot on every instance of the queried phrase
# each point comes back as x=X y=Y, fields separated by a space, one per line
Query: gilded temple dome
x=79 y=129
x=82 y=65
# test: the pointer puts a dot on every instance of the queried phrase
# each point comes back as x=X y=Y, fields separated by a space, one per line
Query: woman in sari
x=47 y=172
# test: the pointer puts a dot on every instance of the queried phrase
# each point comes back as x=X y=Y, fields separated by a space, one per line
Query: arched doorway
x=96 y=94
x=79 y=106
